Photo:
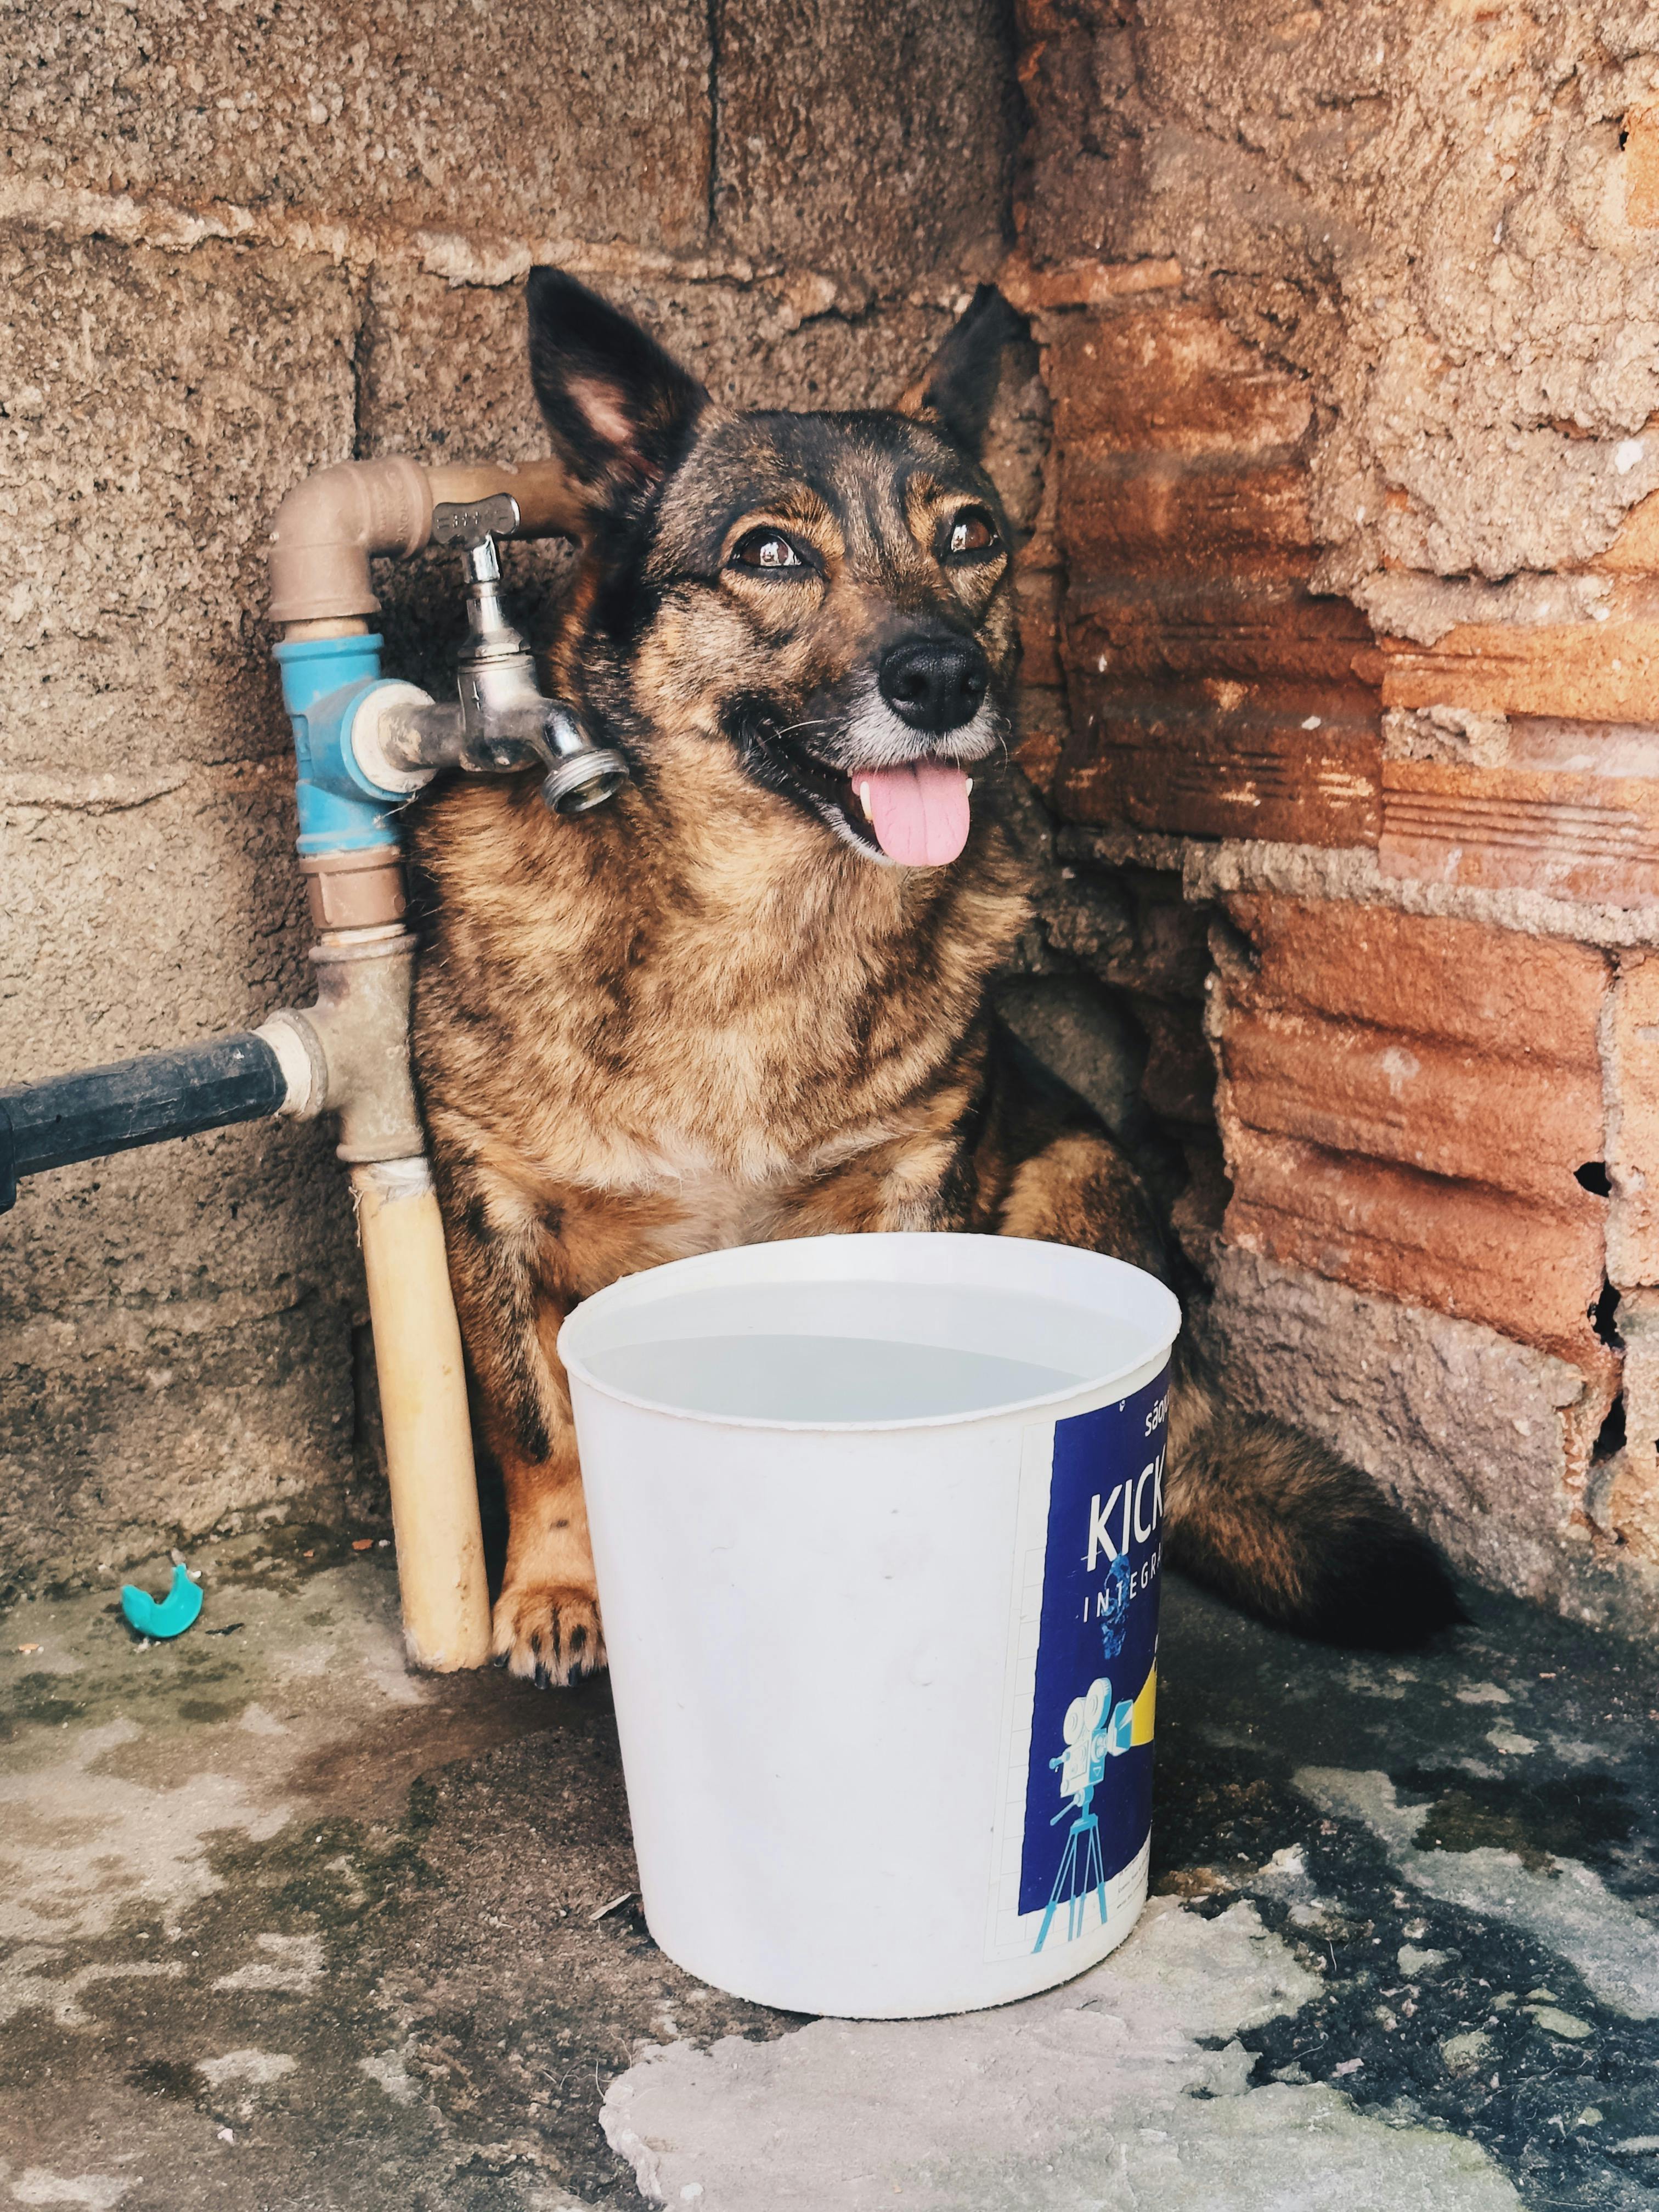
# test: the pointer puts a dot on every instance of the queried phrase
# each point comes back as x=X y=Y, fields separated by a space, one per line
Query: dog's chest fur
x=675 y=1028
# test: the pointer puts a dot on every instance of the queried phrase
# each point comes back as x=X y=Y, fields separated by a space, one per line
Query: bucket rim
x=648 y=1286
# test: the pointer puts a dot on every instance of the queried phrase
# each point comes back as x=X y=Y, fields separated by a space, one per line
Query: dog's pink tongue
x=919 y=813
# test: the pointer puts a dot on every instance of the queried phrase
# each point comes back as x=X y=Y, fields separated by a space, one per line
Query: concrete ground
x=281 y=1926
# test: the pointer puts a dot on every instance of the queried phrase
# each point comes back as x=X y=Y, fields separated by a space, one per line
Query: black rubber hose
x=136 y=1102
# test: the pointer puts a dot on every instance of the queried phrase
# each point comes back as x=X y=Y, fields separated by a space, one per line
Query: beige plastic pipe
x=348 y=1055
x=428 y=1437
x=328 y=526
x=349 y=1052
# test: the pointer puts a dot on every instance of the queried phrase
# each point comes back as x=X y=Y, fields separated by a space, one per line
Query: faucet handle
x=473 y=522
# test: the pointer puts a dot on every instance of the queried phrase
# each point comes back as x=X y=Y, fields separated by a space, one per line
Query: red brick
x=1572 y=835
x=1195 y=766
x=1405 y=1102
x=1528 y=998
x=1530 y=1272
x=1202 y=628
x=1591 y=671
x=1150 y=516
x=1640 y=165
x=1635 y=550
x=1632 y=1075
x=1210 y=696
x=1170 y=379
x=1472 y=1116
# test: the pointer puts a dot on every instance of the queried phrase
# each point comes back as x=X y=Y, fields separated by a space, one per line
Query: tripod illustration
x=1094 y=1732
x=1082 y=1765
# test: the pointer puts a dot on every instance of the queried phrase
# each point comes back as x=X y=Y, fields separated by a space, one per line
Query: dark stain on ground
x=288 y=1554
x=205 y=1709
x=37 y=1701
x=282 y=1554
x=454 y=1945
x=1577 y=1816
x=1245 y=1708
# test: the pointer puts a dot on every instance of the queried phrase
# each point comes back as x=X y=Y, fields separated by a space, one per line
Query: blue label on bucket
x=1089 y=1778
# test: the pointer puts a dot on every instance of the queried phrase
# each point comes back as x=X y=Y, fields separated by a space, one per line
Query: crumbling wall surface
x=235 y=245
x=1348 y=316
x=1438 y=213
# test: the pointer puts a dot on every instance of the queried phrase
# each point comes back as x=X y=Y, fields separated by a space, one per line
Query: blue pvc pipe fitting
x=324 y=679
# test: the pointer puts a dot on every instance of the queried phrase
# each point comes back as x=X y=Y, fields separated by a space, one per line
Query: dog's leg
x=547 y=1617
x=502 y=1255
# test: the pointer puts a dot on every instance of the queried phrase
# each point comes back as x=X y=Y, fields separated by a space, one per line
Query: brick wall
x=1351 y=553
x=237 y=244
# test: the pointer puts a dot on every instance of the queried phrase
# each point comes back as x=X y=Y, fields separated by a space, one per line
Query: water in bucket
x=876 y=1526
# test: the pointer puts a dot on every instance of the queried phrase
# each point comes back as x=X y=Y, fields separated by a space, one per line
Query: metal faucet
x=503 y=720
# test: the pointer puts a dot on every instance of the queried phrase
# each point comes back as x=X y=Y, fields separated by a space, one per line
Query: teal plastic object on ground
x=169 y=1616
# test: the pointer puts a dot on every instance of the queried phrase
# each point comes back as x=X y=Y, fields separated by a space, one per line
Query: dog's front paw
x=548 y=1633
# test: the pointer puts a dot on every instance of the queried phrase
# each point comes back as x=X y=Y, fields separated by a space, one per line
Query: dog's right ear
x=959 y=385
x=621 y=410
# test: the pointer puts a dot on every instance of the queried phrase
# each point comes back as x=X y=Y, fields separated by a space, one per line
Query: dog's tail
x=1279 y=1524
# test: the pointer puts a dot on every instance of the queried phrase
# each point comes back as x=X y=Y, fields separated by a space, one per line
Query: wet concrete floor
x=282 y=1926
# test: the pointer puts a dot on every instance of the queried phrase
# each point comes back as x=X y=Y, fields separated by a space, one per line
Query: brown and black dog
x=748 y=999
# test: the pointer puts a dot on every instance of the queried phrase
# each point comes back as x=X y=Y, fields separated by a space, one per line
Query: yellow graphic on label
x=1140 y=1713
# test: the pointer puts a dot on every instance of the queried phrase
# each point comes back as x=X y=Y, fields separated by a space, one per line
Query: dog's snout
x=934 y=684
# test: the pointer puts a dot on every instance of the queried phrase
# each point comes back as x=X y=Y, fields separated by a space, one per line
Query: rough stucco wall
x=1425 y=209
x=233 y=246
x=586 y=118
x=1347 y=314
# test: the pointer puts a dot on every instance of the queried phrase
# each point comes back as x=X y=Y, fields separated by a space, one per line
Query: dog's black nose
x=934 y=684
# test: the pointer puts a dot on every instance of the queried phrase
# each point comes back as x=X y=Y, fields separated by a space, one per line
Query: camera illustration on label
x=1095 y=1676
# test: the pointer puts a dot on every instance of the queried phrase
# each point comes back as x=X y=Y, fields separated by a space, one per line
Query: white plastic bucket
x=877 y=1525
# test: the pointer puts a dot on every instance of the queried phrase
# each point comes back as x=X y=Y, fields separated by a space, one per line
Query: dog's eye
x=972 y=531
x=768 y=549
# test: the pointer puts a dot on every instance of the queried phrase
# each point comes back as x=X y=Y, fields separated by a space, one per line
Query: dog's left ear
x=620 y=410
x=958 y=388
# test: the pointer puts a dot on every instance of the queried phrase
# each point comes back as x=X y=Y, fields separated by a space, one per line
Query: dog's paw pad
x=548 y=1634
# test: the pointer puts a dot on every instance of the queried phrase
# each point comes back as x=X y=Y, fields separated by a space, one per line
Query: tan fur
x=634 y=1045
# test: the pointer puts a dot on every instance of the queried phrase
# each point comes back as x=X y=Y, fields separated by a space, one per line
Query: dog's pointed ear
x=620 y=410
x=958 y=387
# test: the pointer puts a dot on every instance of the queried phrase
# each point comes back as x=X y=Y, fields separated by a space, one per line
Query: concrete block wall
x=1347 y=317
x=235 y=245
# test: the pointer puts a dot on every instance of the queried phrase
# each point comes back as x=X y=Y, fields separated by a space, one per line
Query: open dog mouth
x=916 y=814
